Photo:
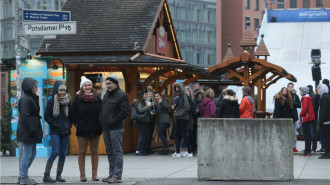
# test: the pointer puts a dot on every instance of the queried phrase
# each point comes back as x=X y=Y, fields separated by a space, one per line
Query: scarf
x=65 y=100
x=88 y=97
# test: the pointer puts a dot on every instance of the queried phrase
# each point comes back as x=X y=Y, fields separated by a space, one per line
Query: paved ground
x=155 y=169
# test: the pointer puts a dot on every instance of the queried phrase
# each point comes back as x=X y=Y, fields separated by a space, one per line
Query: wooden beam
x=260 y=73
x=134 y=57
x=163 y=57
x=172 y=79
x=274 y=81
x=234 y=73
x=193 y=79
x=153 y=76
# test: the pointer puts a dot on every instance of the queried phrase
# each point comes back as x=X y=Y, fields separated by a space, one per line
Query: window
x=256 y=4
x=198 y=16
x=293 y=3
x=198 y=57
x=256 y=24
x=319 y=3
x=280 y=4
x=306 y=3
x=44 y=5
x=247 y=19
x=209 y=61
x=247 y=4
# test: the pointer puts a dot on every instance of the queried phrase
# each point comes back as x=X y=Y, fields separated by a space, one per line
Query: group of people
x=315 y=108
x=91 y=117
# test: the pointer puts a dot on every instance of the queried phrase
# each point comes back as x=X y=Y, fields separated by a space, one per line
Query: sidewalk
x=147 y=168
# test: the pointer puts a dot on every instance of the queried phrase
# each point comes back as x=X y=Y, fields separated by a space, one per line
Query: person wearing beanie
x=85 y=112
x=57 y=116
x=115 y=108
x=307 y=115
x=324 y=119
x=29 y=130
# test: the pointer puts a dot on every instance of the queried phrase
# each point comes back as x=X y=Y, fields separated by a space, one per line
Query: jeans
x=294 y=134
x=181 y=132
x=313 y=134
x=162 y=134
x=29 y=153
x=143 y=136
x=113 y=145
x=307 y=136
x=182 y=143
x=59 y=144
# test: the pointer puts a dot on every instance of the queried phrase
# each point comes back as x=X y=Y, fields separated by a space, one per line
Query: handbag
x=137 y=116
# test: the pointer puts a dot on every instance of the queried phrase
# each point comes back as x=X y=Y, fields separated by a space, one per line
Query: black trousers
x=151 y=129
x=181 y=132
x=143 y=135
x=307 y=136
x=326 y=135
x=162 y=134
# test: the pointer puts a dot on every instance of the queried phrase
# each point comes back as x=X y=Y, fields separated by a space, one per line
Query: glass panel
x=246 y=20
x=306 y=3
x=256 y=4
x=280 y=4
x=256 y=24
x=247 y=4
x=319 y=3
x=293 y=3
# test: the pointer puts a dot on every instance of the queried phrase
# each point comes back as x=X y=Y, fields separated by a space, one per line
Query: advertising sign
x=300 y=15
x=49 y=28
x=161 y=41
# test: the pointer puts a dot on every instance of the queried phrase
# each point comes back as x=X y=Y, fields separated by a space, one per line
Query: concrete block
x=245 y=149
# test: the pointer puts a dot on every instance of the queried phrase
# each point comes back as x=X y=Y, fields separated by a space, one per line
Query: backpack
x=136 y=116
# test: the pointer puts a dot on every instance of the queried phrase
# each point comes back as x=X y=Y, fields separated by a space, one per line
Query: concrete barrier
x=245 y=149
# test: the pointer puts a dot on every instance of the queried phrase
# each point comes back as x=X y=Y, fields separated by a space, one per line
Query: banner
x=300 y=15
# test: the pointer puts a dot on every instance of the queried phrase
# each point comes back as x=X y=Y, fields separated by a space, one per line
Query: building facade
x=195 y=25
x=7 y=19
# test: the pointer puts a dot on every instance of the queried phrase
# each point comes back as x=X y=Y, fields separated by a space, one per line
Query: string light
x=174 y=40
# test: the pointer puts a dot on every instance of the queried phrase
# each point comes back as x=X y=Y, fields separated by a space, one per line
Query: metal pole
x=18 y=68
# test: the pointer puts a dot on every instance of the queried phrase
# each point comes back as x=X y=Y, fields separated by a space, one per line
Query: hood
x=250 y=98
x=304 y=90
x=198 y=92
x=230 y=98
x=324 y=89
x=190 y=90
x=294 y=91
x=28 y=84
x=180 y=85
x=56 y=86
x=206 y=101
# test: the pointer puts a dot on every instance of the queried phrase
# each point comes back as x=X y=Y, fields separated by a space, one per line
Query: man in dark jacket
x=29 y=131
x=295 y=104
x=115 y=108
x=324 y=118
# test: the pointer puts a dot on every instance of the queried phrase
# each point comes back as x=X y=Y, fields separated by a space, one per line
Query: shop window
x=319 y=3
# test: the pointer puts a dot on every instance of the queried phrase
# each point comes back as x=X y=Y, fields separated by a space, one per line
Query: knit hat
x=113 y=78
x=84 y=80
x=304 y=90
x=61 y=87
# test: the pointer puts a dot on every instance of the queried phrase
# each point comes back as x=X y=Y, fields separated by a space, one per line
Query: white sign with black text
x=49 y=28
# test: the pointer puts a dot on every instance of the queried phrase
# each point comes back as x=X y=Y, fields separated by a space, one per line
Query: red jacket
x=246 y=107
x=307 y=109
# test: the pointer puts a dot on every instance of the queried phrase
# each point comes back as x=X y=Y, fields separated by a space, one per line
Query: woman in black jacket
x=164 y=121
x=57 y=116
x=85 y=112
x=229 y=107
x=29 y=131
x=283 y=104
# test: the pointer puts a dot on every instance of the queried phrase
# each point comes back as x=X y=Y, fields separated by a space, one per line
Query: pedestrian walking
x=307 y=116
x=180 y=105
x=143 y=128
x=208 y=107
x=57 y=115
x=85 y=111
x=229 y=107
x=164 y=121
x=29 y=131
x=246 y=108
x=295 y=105
x=151 y=120
x=324 y=118
x=115 y=108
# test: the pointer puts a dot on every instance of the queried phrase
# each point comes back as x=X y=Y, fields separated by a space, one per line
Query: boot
x=95 y=177
x=47 y=177
x=60 y=166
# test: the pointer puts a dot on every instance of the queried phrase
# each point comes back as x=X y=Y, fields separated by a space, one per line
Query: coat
x=115 y=108
x=62 y=123
x=163 y=109
x=307 y=109
x=295 y=104
x=229 y=108
x=282 y=111
x=85 y=117
x=324 y=110
x=246 y=107
x=183 y=107
x=208 y=108
x=29 y=130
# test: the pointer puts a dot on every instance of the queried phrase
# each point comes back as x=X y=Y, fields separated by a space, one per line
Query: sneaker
x=106 y=179
x=114 y=180
x=164 y=152
x=325 y=156
x=27 y=181
x=321 y=150
x=176 y=155
x=186 y=154
x=306 y=154
x=295 y=150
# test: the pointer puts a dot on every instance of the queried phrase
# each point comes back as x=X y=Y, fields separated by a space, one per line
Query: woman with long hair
x=85 y=112
x=57 y=116
x=283 y=104
x=208 y=107
x=246 y=107
x=140 y=104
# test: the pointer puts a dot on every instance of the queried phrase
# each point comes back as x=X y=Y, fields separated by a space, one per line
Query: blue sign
x=41 y=15
x=300 y=15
